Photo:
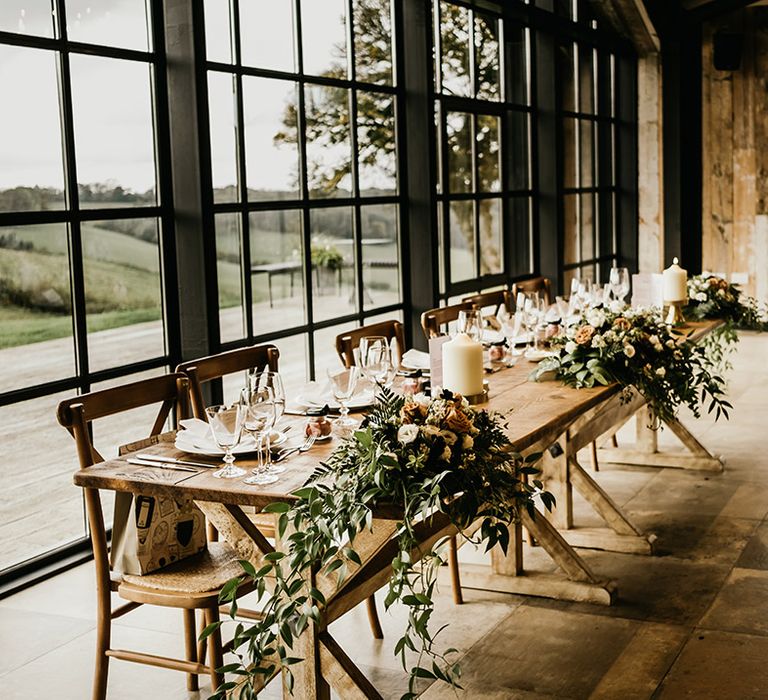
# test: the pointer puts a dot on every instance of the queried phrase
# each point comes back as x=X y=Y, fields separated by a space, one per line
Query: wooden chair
x=433 y=320
x=190 y=584
x=347 y=342
x=497 y=299
x=207 y=369
x=535 y=284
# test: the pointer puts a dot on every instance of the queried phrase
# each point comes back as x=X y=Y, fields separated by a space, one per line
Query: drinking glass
x=471 y=323
x=259 y=404
x=272 y=380
x=343 y=384
x=375 y=359
x=227 y=427
x=619 y=282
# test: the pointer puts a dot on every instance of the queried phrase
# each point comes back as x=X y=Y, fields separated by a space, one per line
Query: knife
x=160 y=465
x=173 y=460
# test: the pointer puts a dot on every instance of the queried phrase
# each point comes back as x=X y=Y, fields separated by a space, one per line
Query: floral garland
x=713 y=297
x=419 y=455
x=636 y=349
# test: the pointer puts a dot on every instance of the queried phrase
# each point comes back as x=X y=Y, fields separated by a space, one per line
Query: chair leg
x=453 y=564
x=190 y=644
x=593 y=456
x=214 y=647
x=101 y=672
x=202 y=647
x=373 y=618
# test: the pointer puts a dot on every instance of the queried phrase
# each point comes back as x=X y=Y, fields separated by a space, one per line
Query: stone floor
x=691 y=622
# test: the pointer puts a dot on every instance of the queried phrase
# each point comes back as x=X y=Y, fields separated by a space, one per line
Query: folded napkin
x=416 y=359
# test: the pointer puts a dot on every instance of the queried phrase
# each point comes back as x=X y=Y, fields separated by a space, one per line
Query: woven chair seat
x=202 y=573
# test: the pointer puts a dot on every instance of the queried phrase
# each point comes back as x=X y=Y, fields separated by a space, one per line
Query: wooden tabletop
x=536 y=412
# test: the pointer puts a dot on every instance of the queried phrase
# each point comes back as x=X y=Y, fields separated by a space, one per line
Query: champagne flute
x=619 y=282
x=272 y=380
x=343 y=385
x=375 y=359
x=227 y=427
x=259 y=404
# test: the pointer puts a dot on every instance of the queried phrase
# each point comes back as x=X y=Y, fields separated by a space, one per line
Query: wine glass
x=471 y=323
x=272 y=380
x=375 y=359
x=343 y=385
x=619 y=282
x=259 y=404
x=227 y=427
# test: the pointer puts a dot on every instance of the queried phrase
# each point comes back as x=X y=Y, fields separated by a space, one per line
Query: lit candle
x=463 y=366
x=675 y=283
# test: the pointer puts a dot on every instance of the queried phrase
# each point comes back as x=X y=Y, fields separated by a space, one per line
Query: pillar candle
x=675 y=283
x=463 y=365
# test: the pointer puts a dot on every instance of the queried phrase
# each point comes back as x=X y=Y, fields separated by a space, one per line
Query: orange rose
x=458 y=421
x=622 y=324
x=584 y=335
x=413 y=412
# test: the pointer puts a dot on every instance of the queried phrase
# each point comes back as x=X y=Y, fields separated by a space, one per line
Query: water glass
x=260 y=413
x=343 y=385
x=227 y=427
x=619 y=282
x=471 y=323
x=375 y=359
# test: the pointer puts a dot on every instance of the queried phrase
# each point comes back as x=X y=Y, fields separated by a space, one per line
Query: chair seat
x=203 y=573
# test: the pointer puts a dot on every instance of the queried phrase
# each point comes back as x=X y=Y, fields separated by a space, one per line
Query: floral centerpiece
x=710 y=296
x=422 y=457
x=636 y=349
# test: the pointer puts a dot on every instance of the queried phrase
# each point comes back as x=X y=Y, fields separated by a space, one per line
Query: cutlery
x=174 y=460
x=160 y=465
x=289 y=412
x=307 y=444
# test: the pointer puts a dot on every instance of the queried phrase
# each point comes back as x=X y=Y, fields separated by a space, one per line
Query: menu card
x=436 y=359
x=647 y=290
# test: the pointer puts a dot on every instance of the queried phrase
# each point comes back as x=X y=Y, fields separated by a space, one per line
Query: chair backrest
x=347 y=342
x=206 y=369
x=78 y=413
x=432 y=320
x=495 y=299
x=535 y=284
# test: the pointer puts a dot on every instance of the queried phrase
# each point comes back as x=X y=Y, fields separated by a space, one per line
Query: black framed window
x=483 y=117
x=84 y=220
x=303 y=121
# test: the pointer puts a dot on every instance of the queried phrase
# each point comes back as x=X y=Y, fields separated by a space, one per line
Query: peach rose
x=584 y=335
x=622 y=324
x=458 y=421
x=413 y=412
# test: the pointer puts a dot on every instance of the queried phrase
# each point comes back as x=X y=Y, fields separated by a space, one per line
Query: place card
x=436 y=359
x=647 y=290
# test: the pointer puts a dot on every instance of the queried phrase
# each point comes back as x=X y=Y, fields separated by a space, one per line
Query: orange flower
x=458 y=421
x=413 y=412
x=584 y=335
x=622 y=324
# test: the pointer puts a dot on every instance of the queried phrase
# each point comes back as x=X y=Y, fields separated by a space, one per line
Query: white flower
x=617 y=306
x=598 y=342
x=446 y=456
x=720 y=292
x=570 y=347
x=609 y=336
x=421 y=398
x=406 y=434
x=654 y=340
x=430 y=430
x=700 y=296
x=596 y=317
x=670 y=343
x=661 y=372
x=629 y=350
x=449 y=437
x=467 y=442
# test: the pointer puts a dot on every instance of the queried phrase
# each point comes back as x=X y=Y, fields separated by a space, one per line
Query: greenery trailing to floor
x=426 y=459
x=636 y=349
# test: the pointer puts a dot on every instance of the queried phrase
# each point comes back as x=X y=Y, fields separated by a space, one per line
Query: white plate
x=362 y=400
x=206 y=446
x=537 y=355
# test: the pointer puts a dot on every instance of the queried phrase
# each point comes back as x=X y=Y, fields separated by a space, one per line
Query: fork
x=306 y=445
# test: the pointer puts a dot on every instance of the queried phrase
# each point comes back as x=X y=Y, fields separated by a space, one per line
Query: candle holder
x=675 y=312
x=482 y=397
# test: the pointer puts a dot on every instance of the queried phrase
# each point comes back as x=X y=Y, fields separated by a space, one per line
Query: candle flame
x=674 y=261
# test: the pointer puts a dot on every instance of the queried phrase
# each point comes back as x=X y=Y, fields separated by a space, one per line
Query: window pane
x=110 y=22
x=277 y=270
x=487 y=136
x=334 y=289
x=570 y=153
x=123 y=301
x=36 y=484
x=586 y=151
x=571 y=228
x=517 y=149
x=324 y=36
x=113 y=131
x=519 y=238
x=221 y=105
x=229 y=271
x=454 y=45
x=218 y=41
x=587 y=217
x=487 y=56
x=376 y=152
x=586 y=79
x=328 y=141
x=459 y=146
x=32 y=174
x=517 y=50
x=373 y=41
x=381 y=265
x=491 y=247
x=462 y=225
x=35 y=306
x=294 y=362
x=566 y=78
x=27 y=17
x=266 y=31
x=326 y=356
x=271 y=144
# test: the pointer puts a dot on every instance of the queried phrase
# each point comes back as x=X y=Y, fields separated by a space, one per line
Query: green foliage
x=326 y=255
x=711 y=297
x=637 y=350
x=419 y=458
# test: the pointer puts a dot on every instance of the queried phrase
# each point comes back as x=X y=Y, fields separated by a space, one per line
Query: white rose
x=661 y=372
x=701 y=296
x=570 y=347
x=596 y=317
x=616 y=306
x=629 y=350
x=467 y=442
x=406 y=434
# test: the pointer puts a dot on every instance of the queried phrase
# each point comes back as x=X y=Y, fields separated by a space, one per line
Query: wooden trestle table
x=542 y=416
